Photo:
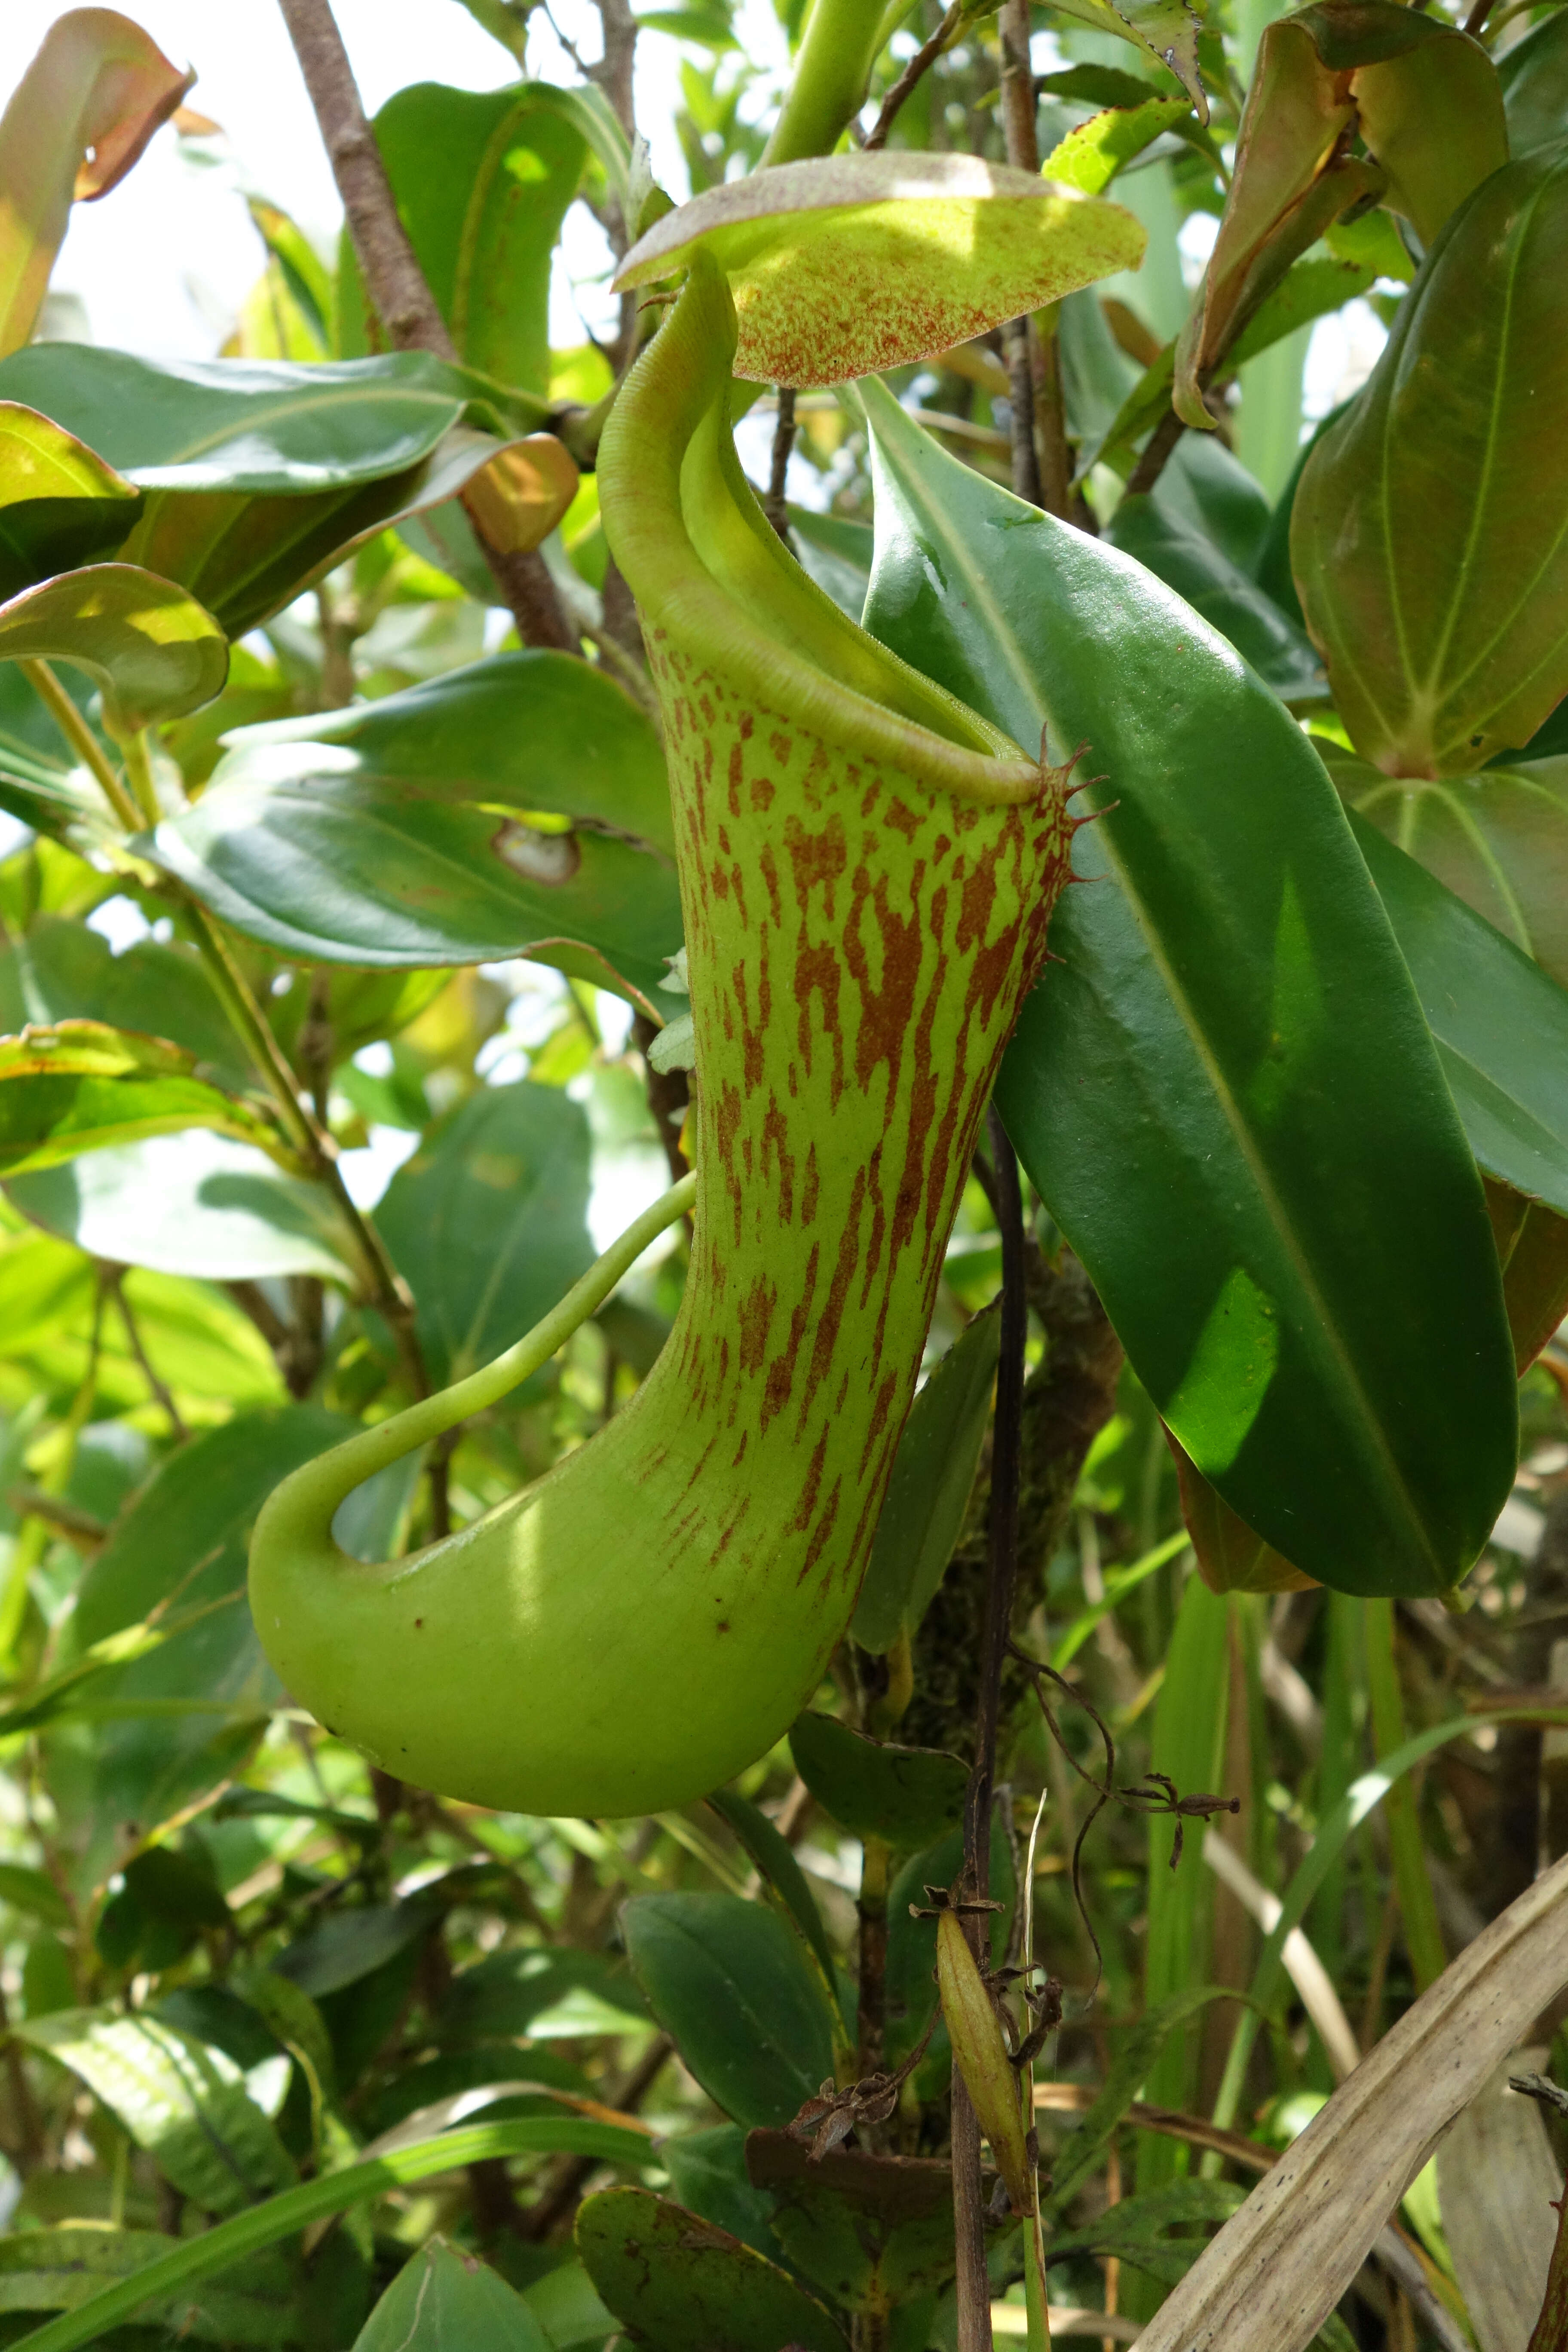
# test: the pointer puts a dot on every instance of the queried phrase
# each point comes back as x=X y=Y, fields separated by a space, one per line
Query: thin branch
x=913 y=74
x=82 y=741
x=115 y=1278
x=773 y=505
x=1156 y=450
x=394 y=281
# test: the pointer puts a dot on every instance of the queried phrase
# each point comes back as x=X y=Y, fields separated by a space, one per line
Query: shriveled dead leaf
x=1498 y=2181
x=1271 y=2277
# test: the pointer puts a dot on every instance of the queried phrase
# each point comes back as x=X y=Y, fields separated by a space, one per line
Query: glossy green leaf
x=1230 y=598
x=401 y=833
x=151 y=649
x=447 y=2301
x=487 y=1221
x=1499 y=1023
x=79 y=1084
x=1165 y=31
x=255 y=2303
x=927 y=1492
x=350 y=1944
x=246 y=555
x=1231 y=1556
x=729 y=1984
x=60 y=506
x=1534 y=77
x=182 y=1546
x=1425 y=537
x=678 y=2282
x=781 y=1872
x=1499 y=840
x=482 y=180
x=907 y=1796
x=523 y=1991
x=1296 y=1236
x=261 y=426
x=1091 y=156
x=202 y=1205
x=180 y=2100
x=824 y=258
x=74 y=125
x=63 y=972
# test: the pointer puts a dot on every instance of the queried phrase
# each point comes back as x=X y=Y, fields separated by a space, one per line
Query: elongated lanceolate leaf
x=60 y=506
x=1534 y=77
x=1296 y=1238
x=81 y=1083
x=1228 y=597
x=1426 y=535
x=1500 y=1022
x=927 y=1494
x=181 y=2100
x=481 y=179
x=401 y=834
x=856 y=262
x=151 y=649
x=75 y=125
x=245 y=554
x=253 y=424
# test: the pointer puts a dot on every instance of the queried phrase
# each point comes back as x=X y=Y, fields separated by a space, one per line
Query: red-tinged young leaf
x=1532 y=1246
x=77 y=121
x=154 y=652
x=855 y=263
x=1427 y=537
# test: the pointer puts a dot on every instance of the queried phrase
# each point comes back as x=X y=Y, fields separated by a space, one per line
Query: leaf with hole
x=1426 y=536
x=426 y=829
x=1297 y=1235
x=851 y=263
x=729 y=1984
x=676 y=2280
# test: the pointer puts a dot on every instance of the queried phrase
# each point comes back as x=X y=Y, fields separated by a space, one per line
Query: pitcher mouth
x=685 y=528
